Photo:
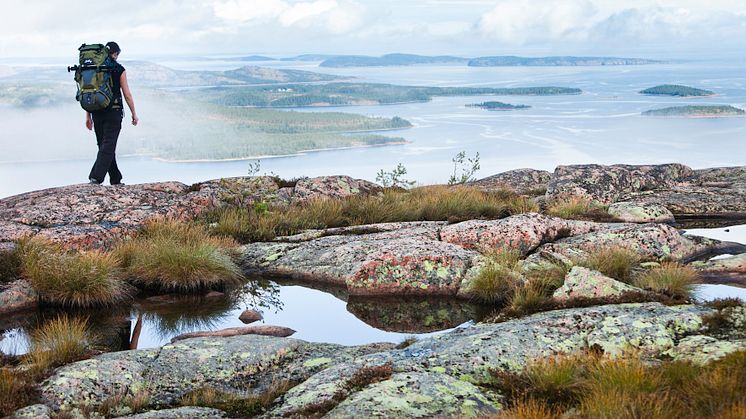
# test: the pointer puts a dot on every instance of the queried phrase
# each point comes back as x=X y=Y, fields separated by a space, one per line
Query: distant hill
x=676 y=90
x=389 y=60
x=309 y=57
x=509 y=60
x=254 y=58
x=497 y=106
x=697 y=111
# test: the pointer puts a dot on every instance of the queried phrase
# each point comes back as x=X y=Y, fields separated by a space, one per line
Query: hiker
x=108 y=122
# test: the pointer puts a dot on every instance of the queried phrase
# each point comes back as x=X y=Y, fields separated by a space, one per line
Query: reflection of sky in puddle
x=736 y=233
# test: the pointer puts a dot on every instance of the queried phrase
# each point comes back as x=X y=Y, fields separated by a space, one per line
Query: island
x=676 y=90
x=497 y=106
x=511 y=61
x=389 y=60
x=697 y=111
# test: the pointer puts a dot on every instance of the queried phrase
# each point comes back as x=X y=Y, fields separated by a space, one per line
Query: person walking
x=107 y=123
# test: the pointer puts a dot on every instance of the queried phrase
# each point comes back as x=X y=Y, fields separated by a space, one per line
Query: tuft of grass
x=407 y=342
x=71 y=278
x=497 y=280
x=575 y=207
x=123 y=404
x=528 y=409
x=235 y=404
x=429 y=203
x=723 y=303
x=16 y=391
x=616 y=262
x=58 y=342
x=670 y=278
x=530 y=296
x=10 y=265
x=173 y=256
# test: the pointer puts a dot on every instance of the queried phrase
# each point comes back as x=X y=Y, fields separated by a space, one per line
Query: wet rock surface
x=440 y=375
x=582 y=282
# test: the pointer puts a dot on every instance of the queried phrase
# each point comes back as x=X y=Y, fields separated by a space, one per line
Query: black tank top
x=116 y=74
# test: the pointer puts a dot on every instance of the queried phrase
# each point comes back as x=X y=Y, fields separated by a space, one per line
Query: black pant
x=107 y=125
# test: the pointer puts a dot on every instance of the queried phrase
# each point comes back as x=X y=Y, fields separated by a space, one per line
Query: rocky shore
x=444 y=375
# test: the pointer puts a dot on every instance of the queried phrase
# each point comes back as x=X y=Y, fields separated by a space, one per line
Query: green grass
x=175 y=256
x=58 y=342
x=496 y=282
x=615 y=262
x=576 y=207
x=430 y=203
x=234 y=404
x=591 y=386
x=72 y=278
x=670 y=278
x=10 y=265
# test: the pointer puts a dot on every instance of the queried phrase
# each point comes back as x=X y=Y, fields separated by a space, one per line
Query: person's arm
x=88 y=121
x=128 y=97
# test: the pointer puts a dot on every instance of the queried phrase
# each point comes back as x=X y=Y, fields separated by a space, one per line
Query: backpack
x=93 y=75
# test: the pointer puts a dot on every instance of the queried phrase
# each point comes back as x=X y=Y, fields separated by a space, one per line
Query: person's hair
x=113 y=47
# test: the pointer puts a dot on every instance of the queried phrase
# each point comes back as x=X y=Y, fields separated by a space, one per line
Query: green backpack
x=94 y=77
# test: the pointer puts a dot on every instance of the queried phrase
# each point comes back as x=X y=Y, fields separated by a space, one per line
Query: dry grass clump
x=615 y=262
x=58 y=342
x=174 y=256
x=591 y=386
x=496 y=282
x=72 y=278
x=16 y=391
x=670 y=278
x=10 y=265
x=429 y=203
x=234 y=404
x=577 y=207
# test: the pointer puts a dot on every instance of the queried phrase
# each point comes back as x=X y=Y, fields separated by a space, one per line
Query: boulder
x=607 y=184
x=265 y=330
x=696 y=201
x=408 y=259
x=735 y=265
x=638 y=212
x=331 y=187
x=521 y=181
x=524 y=232
x=250 y=316
x=582 y=282
x=17 y=295
x=702 y=349
x=187 y=412
x=35 y=411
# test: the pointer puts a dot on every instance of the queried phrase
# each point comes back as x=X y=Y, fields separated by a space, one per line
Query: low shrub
x=58 y=342
x=616 y=262
x=670 y=278
x=173 y=256
x=72 y=278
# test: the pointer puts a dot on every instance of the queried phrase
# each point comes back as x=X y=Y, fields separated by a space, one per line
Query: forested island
x=676 y=90
x=497 y=106
x=342 y=94
x=388 y=60
x=694 y=111
x=509 y=60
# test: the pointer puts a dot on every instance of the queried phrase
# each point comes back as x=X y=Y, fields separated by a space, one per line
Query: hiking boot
x=118 y=184
x=93 y=181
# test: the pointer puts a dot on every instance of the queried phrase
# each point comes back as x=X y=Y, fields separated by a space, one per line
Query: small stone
x=637 y=212
x=582 y=282
x=250 y=316
x=36 y=411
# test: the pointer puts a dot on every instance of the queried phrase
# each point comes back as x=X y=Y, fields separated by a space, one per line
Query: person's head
x=113 y=49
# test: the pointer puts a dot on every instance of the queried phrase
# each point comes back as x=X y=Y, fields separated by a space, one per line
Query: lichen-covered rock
x=731 y=265
x=523 y=232
x=582 y=282
x=650 y=241
x=417 y=395
x=35 y=411
x=187 y=412
x=636 y=212
x=521 y=181
x=413 y=315
x=702 y=349
x=409 y=259
x=696 y=201
x=17 y=295
x=607 y=184
x=332 y=187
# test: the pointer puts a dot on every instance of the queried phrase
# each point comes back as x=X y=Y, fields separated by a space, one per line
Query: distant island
x=697 y=111
x=345 y=94
x=497 y=106
x=509 y=61
x=676 y=90
x=388 y=60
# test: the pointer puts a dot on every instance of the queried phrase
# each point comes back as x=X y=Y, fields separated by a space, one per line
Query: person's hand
x=135 y=119
x=89 y=123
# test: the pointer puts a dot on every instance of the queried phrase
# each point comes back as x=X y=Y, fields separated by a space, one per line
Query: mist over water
x=603 y=125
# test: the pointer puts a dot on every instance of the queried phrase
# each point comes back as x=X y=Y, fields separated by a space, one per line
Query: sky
x=646 y=28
